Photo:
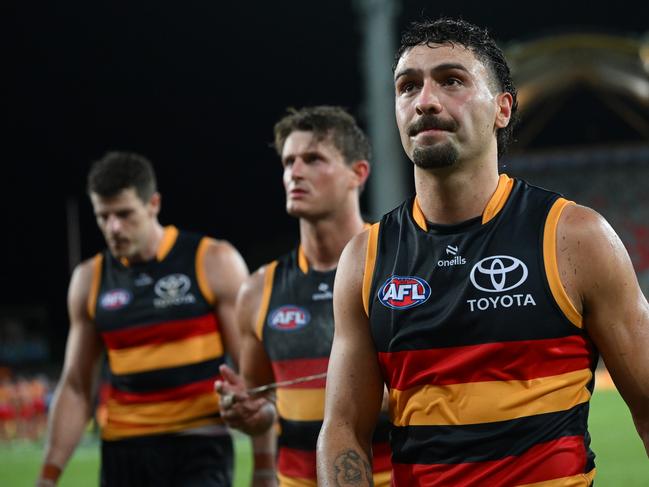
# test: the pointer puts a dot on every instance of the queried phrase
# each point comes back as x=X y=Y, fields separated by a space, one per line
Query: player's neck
x=452 y=196
x=323 y=240
x=152 y=245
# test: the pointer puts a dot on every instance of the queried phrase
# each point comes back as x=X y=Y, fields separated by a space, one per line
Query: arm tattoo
x=350 y=468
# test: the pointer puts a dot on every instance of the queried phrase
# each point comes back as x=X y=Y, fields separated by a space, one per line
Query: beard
x=435 y=157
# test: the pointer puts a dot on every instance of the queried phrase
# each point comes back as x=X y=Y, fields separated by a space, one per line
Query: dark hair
x=478 y=40
x=117 y=171
x=325 y=121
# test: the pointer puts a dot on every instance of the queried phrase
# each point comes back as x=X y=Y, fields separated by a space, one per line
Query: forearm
x=264 y=450
x=342 y=461
x=68 y=418
x=642 y=426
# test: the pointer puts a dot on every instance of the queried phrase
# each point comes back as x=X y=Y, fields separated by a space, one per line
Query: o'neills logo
x=402 y=292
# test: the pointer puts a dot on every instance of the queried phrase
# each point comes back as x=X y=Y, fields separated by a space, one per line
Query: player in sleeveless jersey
x=160 y=303
x=481 y=303
x=285 y=309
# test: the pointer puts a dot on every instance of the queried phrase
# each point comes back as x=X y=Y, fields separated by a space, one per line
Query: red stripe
x=546 y=461
x=296 y=368
x=381 y=454
x=297 y=463
x=175 y=393
x=522 y=360
x=163 y=332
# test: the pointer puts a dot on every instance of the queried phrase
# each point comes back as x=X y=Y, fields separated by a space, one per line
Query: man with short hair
x=285 y=311
x=481 y=303
x=160 y=302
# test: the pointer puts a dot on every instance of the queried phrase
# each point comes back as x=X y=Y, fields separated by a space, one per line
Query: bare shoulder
x=81 y=284
x=221 y=253
x=250 y=296
x=352 y=260
x=591 y=257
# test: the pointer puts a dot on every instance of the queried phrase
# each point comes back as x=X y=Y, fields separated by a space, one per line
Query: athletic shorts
x=167 y=461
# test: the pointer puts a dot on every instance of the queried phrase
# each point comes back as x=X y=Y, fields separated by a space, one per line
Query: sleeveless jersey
x=163 y=344
x=296 y=327
x=488 y=367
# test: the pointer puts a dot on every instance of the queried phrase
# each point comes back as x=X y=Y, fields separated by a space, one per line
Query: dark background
x=196 y=86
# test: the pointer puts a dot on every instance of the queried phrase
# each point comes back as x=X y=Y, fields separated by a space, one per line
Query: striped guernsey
x=488 y=367
x=296 y=327
x=162 y=338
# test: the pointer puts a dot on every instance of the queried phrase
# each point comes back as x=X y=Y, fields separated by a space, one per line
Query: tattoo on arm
x=350 y=468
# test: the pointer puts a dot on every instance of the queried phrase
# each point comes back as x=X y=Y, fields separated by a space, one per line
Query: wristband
x=264 y=473
x=50 y=472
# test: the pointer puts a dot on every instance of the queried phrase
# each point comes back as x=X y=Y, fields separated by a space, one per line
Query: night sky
x=196 y=87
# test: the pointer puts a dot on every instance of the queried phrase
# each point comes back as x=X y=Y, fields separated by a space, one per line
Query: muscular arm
x=599 y=278
x=226 y=271
x=354 y=383
x=252 y=415
x=74 y=391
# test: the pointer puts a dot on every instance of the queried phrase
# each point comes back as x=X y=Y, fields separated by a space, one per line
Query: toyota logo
x=172 y=286
x=498 y=273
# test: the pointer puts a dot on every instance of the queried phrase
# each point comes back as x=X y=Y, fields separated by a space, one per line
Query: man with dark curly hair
x=482 y=303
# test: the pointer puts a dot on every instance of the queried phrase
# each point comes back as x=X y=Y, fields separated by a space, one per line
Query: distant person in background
x=160 y=303
x=285 y=311
x=481 y=302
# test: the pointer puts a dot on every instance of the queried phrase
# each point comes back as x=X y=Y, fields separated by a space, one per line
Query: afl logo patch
x=288 y=318
x=402 y=292
x=115 y=299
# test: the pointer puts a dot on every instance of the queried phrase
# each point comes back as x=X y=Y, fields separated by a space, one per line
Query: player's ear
x=504 y=109
x=361 y=171
x=154 y=203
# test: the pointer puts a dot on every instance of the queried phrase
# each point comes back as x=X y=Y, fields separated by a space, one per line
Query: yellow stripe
x=370 y=261
x=115 y=432
x=499 y=198
x=269 y=275
x=168 y=240
x=581 y=480
x=163 y=355
x=301 y=404
x=487 y=402
x=382 y=479
x=418 y=216
x=302 y=263
x=285 y=481
x=94 y=286
x=201 y=274
x=551 y=265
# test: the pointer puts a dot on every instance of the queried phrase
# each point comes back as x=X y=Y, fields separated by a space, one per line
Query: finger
x=231 y=376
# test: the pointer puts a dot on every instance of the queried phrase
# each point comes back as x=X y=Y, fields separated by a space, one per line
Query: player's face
x=126 y=221
x=447 y=110
x=316 y=178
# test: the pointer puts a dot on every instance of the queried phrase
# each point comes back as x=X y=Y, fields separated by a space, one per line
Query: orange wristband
x=50 y=472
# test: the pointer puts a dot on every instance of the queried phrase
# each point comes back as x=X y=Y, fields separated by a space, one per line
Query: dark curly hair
x=117 y=171
x=325 y=121
x=478 y=40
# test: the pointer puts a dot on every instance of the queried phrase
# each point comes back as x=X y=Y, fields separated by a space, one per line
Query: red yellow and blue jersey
x=162 y=339
x=488 y=367
x=296 y=327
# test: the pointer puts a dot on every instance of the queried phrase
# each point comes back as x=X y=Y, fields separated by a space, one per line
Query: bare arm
x=354 y=383
x=74 y=391
x=599 y=278
x=252 y=415
x=226 y=271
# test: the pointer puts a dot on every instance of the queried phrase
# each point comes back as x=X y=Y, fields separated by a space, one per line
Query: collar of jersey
x=303 y=262
x=169 y=236
x=494 y=205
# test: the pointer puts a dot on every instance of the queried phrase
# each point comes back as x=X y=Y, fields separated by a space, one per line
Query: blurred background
x=197 y=86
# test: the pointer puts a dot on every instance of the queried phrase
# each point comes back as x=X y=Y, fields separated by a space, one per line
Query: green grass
x=621 y=459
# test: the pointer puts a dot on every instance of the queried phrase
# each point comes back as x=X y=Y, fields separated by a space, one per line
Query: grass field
x=621 y=460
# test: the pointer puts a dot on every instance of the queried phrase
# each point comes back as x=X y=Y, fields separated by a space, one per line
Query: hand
x=238 y=409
